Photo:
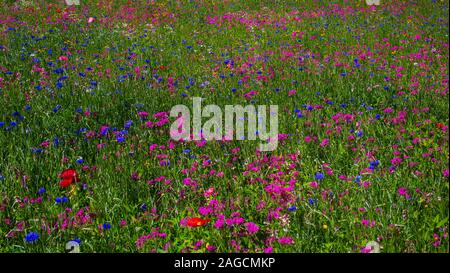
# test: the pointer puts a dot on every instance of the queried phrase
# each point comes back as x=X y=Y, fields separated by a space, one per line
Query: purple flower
x=320 y=176
x=286 y=241
x=402 y=191
x=396 y=161
x=268 y=250
x=219 y=223
x=251 y=227
x=205 y=210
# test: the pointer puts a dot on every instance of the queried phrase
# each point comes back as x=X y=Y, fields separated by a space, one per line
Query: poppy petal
x=65 y=182
x=69 y=174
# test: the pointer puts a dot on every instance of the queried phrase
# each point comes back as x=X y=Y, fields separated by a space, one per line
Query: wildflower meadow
x=357 y=93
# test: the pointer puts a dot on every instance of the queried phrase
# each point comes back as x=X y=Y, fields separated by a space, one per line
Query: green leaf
x=442 y=222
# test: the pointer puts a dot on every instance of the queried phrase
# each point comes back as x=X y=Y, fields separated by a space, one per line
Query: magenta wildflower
x=402 y=191
x=286 y=240
x=324 y=142
x=251 y=227
x=268 y=249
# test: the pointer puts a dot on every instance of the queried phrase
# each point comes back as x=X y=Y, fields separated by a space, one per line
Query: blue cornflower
x=106 y=225
x=320 y=176
x=58 y=71
x=378 y=116
x=128 y=124
x=2 y=123
x=120 y=138
x=80 y=161
x=81 y=130
x=186 y=151
x=358 y=179
x=292 y=209
x=62 y=199
x=311 y=201
x=104 y=131
x=41 y=191
x=374 y=164
x=56 y=141
x=360 y=134
x=144 y=206
x=31 y=237
x=36 y=150
x=56 y=109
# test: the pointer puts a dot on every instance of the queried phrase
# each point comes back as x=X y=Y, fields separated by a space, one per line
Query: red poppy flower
x=65 y=182
x=440 y=126
x=197 y=222
x=68 y=176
